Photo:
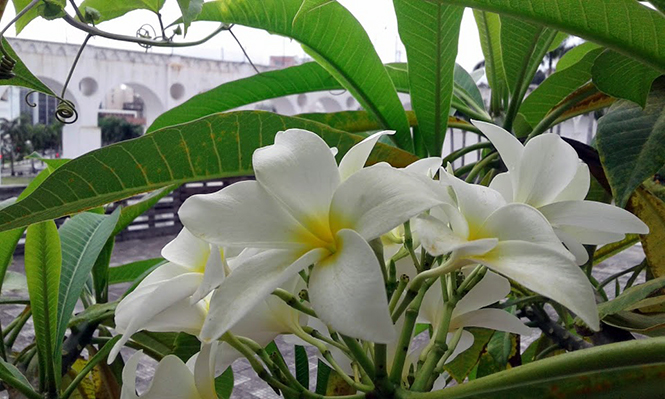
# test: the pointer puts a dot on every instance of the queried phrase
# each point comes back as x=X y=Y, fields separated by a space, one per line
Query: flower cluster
x=361 y=244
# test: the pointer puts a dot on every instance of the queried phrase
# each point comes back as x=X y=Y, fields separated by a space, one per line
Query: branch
x=139 y=40
x=553 y=330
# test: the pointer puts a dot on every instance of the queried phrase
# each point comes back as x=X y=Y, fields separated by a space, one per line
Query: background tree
x=117 y=129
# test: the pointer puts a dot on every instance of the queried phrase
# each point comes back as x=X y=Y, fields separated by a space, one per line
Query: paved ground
x=247 y=385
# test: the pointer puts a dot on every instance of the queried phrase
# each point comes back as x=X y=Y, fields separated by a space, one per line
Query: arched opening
x=327 y=104
x=126 y=110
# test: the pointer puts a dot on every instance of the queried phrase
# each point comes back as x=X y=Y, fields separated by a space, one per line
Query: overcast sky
x=377 y=16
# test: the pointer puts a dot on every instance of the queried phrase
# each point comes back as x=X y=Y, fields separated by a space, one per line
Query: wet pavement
x=246 y=384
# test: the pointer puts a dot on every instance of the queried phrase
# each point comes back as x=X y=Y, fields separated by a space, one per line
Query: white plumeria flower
x=194 y=269
x=306 y=211
x=547 y=174
x=469 y=313
x=267 y=320
x=174 y=379
x=514 y=240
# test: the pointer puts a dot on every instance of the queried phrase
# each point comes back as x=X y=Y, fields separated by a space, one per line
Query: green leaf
x=609 y=250
x=100 y=272
x=623 y=77
x=217 y=146
x=131 y=271
x=622 y=25
x=190 y=9
x=631 y=142
x=186 y=346
x=651 y=325
x=129 y=213
x=9 y=239
x=430 y=32
x=322 y=377
x=22 y=75
x=117 y=8
x=42 y=268
x=465 y=84
x=15 y=281
x=156 y=345
x=519 y=43
x=82 y=238
x=224 y=384
x=460 y=367
x=651 y=210
x=489 y=31
x=96 y=311
x=573 y=70
x=345 y=52
x=11 y=376
x=620 y=370
x=298 y=79
x=630 y=297
x=302 y=366
x=659 y=4
x=48 y=9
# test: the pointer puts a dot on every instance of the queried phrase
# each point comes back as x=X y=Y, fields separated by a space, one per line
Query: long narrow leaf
x=42 y=268
x=332 y=36
x=622 y=370
x=430 y=32
x=218 y=146
x=82 y=238
x=636 y=30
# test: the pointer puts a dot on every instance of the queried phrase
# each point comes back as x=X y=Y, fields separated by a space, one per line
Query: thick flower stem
x=440 y=347
x=405 y=337
x=397 y=294
x=317 y=334
x=480 y=166
x=463 y=151
x=332 y=362
x=360 y=356
x=408 y=244
x=293 y=302
x=256 y=365
x=381 y=381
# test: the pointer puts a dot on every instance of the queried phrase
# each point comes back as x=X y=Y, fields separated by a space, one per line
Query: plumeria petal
x=578 y=188
x=356 y=157
x=213 y=276
x=347 y=291
x=425 y=167
x=503 y=183
x=300 y=171
x=508 y=146
x=129 y=376
x=204 y=371
x=494 y=319
x=521 y=222
x=165 y=295
x=242 y=214
x=591 y=215
x=475 y=202
x=187 y=250
x=438 y=239
x=465 y=342
x=181 y=316
x=377 y=199
x=547 y=167
x=548 y=272
x=249 y=284
x=588 y=235
x=172 y=380
x=574 y=246
x=491 y=288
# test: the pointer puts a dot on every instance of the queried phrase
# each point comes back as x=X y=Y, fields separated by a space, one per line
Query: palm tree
x=13 y=134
